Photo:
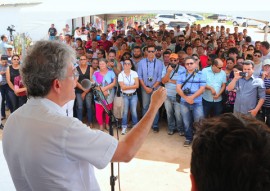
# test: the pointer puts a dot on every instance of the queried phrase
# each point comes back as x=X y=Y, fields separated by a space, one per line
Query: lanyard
x=154 y=67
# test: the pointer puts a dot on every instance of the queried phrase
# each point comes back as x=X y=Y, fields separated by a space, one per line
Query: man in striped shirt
x=266 y=104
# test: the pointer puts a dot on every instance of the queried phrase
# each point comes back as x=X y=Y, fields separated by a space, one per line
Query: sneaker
x=181 y=133
x=156 y=130
x=187 y=143
x=124 y=131
x=170 y=132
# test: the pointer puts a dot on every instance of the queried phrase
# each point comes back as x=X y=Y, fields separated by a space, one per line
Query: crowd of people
x=206 y=70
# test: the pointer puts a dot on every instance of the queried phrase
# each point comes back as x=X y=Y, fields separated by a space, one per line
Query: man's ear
x=193 y=183
x=56 y=85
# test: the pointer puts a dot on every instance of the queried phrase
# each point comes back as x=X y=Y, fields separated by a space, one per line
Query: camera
x=186 y=91
x=11 y=28
x=150 y=79
x=172 y=65
x=243 y=74
x=111 y=60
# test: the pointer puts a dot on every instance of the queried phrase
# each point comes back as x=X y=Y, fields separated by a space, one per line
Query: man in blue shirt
x=248 y=90
x=191 y=107
x=215 y=86
x=149 y=72
x=170 y=75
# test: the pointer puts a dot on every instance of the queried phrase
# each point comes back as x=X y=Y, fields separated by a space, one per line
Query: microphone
x=87 y=84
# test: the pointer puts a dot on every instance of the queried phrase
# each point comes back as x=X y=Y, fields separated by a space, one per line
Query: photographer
x=190 y=86
x=248 y=89
x=170 y=74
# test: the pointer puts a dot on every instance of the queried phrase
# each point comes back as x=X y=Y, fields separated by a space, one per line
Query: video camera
x=11 y=28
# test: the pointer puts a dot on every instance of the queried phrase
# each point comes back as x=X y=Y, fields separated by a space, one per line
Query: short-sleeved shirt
x=128 y=80
x=104 y=81
x=174 y=75
x=267 y=96
x=194 y=84
x=3 y=69
x=247 y=94
x=47 y=150
x=52 y=31
x=215 y=80
x=150 y=70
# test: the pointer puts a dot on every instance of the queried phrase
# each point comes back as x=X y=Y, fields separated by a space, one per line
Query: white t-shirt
x=46 y=150
x=265 y=57
x=128 y=80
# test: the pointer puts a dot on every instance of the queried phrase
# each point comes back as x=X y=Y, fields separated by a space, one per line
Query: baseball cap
x=158 y=48
x=174 y=56
x=266 y=62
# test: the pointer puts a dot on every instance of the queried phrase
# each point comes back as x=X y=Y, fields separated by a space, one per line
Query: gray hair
x=45 y=62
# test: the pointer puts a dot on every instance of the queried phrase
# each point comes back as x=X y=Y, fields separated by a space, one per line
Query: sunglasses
x=219 y=67
x=173 y=60
x=190 y=63
x=257 y=55
x=151 y=51
x=181 y=39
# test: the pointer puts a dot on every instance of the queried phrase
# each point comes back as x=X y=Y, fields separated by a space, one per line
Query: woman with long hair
x=11 y=73
x=107 y=80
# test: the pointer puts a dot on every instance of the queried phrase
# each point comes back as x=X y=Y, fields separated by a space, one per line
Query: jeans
x=190 y=113
x=145 y=105
x=14 y=100
x=266 y=115
x=51 y=37
x=174 y=117
x=130 y=102
x=212 y=108
x=22 y=100
x=5 y=99
x=79 y=106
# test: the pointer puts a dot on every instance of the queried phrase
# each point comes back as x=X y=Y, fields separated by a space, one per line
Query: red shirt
x=106 y=45
x=18 y=82
x=204 y=59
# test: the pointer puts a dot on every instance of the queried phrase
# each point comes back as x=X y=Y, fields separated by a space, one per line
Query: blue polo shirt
x=150 y=69
x=194 y=84
x=214 y=80
x=174 y=75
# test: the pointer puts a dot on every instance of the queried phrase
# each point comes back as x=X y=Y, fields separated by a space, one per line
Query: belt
x=131 y=94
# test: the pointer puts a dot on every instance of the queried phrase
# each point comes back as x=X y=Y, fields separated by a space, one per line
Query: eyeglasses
x=257 y=55
x=173 y=60
x=151 y=51
x=219 y=67
x=127 y=63
x=83 y=59
x=190 y=63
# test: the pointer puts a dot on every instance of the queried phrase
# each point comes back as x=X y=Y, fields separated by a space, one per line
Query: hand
x=213 y=91
x=216 y=96
x=158 y=97
x=106 y=93
x=148 y=90
x=237 y=75
x=253 y=112
x=264 y=74
x=169 y=69
x=111 y=64
x=189 y=99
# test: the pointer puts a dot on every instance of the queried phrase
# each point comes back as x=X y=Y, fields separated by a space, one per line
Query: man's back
x=45 y=138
